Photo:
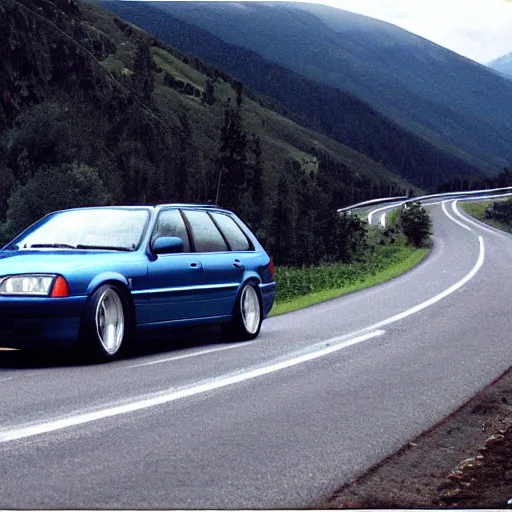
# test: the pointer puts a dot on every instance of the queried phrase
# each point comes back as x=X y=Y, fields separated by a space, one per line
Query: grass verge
x=477 y=210
x=337 y=280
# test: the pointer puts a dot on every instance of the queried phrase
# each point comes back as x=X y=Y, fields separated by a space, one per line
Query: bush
x=416 y=225
x=500 y=212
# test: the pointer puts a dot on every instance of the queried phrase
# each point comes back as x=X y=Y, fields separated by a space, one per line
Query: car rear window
x=170 y=223
x=207 y=237
x=232 y=232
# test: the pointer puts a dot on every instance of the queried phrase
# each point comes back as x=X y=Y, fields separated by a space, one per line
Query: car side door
x=176 y=281
x=223 y=271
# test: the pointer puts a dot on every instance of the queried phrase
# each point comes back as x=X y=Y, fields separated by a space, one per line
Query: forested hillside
x=95 y=111
x=460 y=106
x=322 y=107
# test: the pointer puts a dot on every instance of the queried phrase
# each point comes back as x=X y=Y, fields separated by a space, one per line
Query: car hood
x=62 y=261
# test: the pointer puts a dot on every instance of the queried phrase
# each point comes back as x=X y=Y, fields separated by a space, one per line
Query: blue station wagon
x=93 y=278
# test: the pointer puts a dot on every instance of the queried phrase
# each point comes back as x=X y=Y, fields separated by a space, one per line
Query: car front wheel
x=247 y=315
x=105 y=327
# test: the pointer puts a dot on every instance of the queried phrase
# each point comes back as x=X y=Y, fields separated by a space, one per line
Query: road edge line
x=452 y=218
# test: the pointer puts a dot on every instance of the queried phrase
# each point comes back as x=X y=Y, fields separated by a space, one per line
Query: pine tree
x=209 y=93
x=232 y=160
x=284 y=222
x=142 y=79
x=254 y=179
x=239 y=89
x=183 y=158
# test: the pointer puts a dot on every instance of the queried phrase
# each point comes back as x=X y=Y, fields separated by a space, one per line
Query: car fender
x=250 y=275
x=105 y=277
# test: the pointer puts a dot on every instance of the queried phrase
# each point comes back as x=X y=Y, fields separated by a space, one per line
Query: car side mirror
x=167 y=245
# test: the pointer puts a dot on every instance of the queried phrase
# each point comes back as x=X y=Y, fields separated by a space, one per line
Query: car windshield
x=102 y=228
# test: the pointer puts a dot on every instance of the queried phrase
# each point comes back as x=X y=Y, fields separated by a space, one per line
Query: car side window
x=232 y=232
x=170 y=223
x=207 y=237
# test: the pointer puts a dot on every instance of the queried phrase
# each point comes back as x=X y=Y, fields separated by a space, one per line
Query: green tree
x=232 y=160
x=416 y=224
x=239 y=89
x=43 y=135
x=7 y=184
x=209 y=93
x=254 y=195
x=53 y=188
x=183 y=158
x=142 y=78
x=283 y=239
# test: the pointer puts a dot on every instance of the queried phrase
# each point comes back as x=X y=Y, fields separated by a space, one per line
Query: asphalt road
x=282 y=422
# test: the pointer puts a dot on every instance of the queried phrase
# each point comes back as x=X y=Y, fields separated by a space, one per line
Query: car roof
x=149 y=206
x=190 y=205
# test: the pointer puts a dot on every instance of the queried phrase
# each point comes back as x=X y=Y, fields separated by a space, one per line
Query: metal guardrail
x=407 y=199
x=458 y=194
x=371 y=202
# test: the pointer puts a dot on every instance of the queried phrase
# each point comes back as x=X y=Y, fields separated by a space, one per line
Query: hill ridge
x=428 y=90
x=341 y=117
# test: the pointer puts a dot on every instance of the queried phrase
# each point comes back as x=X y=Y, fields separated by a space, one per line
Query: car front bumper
x=31 y=322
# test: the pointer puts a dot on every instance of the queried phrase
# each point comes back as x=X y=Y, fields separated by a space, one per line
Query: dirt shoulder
x=464 y=462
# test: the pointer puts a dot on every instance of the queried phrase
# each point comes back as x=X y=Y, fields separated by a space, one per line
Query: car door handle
x=196 y=264
x=238 y=264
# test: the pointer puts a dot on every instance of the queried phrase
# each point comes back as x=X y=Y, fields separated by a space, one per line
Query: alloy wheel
x=110 y=322
x=250 y=309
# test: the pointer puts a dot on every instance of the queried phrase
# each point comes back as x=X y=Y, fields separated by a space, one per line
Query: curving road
x=282 y=422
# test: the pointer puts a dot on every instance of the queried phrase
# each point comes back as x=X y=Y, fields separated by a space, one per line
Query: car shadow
x=141 y=347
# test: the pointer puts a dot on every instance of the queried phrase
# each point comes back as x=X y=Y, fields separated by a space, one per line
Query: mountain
x=322 y=107
x=460 y=106
x=96 y=111
x=502 y=64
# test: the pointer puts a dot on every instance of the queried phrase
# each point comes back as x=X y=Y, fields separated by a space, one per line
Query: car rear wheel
x=247 y=315
x=106 y=324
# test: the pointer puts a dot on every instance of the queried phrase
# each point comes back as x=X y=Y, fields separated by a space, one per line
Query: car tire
x=247 y=315
x=106 y=325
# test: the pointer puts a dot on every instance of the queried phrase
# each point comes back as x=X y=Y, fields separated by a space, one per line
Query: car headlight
x=34 y=284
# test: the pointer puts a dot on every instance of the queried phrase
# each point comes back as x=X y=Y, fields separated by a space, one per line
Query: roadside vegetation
x=299 y=288
x=382 y=255
x=497 y=214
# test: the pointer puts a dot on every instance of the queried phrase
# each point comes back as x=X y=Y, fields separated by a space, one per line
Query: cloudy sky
x=478 y=29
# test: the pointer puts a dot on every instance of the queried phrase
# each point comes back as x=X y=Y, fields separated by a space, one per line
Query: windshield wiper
x=52 y=246
x=105 y=247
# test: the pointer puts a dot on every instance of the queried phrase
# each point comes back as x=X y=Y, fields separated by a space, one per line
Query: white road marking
x=451 y=217
x=439 y=296
x=388 y=207
x=471 y=221
x=34 y=374
x=24 y=375
x=185 y=356
x=328 y=347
